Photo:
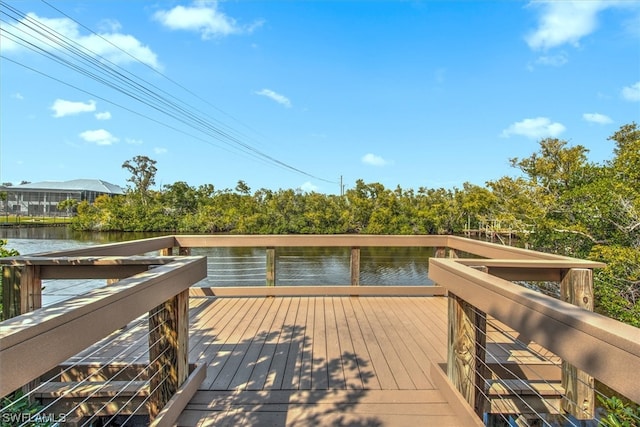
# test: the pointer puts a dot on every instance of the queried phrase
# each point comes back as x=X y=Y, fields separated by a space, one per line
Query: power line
x=100 y=69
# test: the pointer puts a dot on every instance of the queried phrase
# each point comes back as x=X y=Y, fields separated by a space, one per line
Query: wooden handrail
x=53 y=331
x=475 y=247
x=593 y=343
x=603 y=347
x=87 y=267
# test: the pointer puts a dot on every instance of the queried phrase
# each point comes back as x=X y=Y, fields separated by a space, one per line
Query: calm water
x=239 y=266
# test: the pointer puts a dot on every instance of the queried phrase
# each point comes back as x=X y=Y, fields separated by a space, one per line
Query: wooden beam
x=343 y=290
x=576 y=288
x=172 y=410
x=457 y=402
x=92 y=272
x=309 y=240
x=135 y=247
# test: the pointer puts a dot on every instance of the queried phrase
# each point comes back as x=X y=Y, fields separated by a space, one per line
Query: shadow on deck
x=314 y=360
x=318 y=361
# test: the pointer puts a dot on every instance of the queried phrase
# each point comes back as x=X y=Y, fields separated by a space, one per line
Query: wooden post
x=21 y=290
x=467 y=343
x=355 y=266
x=440 y=252
x=466 y=348
x=10 y=288
x=271 y=266
x=166 y=252
x=466 y=352
x=30 y=289
x=576 y=288
x=168 y=350
x=21 y=293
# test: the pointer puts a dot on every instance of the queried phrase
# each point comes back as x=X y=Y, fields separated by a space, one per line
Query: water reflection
x=307 y=266
x=317 y=266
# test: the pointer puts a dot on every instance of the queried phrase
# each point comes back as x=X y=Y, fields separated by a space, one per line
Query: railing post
x=355 y=266
x=21 y=290
x=30 y=288
x=467 y=340
x=271 y=266
x=168 y=350
x=576 y=288
x=21 y=293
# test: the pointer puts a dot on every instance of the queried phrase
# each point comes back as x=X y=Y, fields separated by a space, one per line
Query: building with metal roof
x=43 y=198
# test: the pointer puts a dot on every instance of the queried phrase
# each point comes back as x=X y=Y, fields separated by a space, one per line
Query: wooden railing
x=476 y=275
x=38 y=341
x=590 y=344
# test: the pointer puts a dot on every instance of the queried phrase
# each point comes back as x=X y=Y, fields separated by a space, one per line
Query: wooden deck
x=310 y=360
x=319 y=361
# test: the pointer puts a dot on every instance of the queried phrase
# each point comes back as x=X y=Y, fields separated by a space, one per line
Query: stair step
x=498 y=388
x=92 y=388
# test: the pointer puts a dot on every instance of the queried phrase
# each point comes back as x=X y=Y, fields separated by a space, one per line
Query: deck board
x=297 y=361
x=309 y=360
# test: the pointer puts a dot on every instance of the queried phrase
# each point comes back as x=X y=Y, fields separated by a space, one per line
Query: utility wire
x=111 y=75
x=91 y=59
x=153 y=69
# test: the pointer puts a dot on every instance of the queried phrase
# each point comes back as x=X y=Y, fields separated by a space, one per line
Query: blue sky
x=296 y=94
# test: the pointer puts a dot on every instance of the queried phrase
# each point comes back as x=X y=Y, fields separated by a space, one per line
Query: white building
x=42 y=198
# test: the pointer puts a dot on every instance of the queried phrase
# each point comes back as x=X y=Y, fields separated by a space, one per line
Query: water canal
x=239 y=266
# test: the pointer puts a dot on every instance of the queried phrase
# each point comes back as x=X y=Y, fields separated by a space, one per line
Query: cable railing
x=83 y=330
x=541 y=330
x=533 y=357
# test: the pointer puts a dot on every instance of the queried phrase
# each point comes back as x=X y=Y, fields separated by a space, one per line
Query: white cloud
x=18 y=96
x=110 y=25
x=133 y=141
x=280 y=99
x=598 y=118
x=308 y=187
x=62 y=108
x=373 y=160
x=539 y=127
x=553 y=60
x=105 y=115
x=99 y=137
x=631 y=93
x=204 y=17
x=566 y=21
x=128 y=47
x=160 y=150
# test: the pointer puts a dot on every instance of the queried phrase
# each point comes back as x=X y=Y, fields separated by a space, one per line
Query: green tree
x=68 y=205
x=143 y=172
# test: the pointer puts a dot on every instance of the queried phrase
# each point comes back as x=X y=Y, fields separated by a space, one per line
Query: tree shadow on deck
x=276 y=379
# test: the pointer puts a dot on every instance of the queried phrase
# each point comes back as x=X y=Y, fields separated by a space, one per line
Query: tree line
x=560 y=202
